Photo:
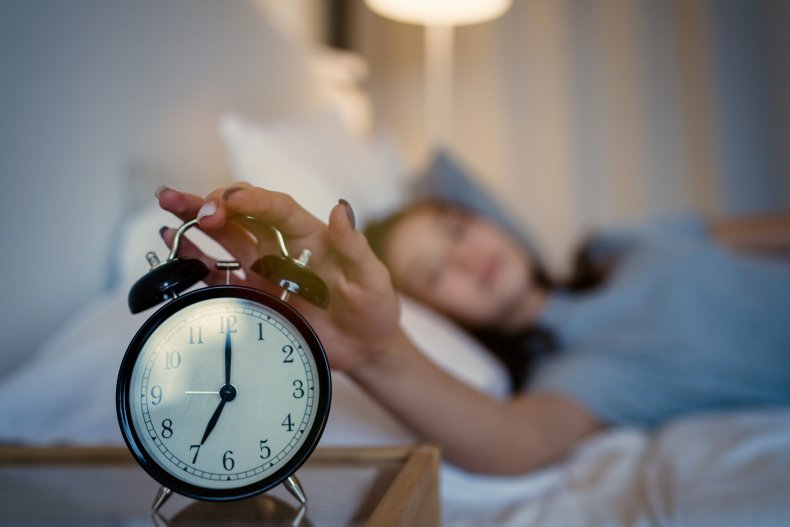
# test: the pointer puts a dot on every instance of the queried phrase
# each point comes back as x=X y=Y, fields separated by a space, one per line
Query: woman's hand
x=363 y=314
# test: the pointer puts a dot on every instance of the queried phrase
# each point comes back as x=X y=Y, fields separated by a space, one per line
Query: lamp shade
x=440 y=12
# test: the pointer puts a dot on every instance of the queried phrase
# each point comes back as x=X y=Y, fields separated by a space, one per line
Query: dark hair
x=519 y=352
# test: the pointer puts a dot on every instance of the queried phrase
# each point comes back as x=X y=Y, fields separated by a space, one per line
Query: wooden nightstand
x=104 y=486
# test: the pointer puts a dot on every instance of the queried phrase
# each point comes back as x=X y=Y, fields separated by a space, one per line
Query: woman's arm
x=477 y=432
x=361 y=333
x=767 y=233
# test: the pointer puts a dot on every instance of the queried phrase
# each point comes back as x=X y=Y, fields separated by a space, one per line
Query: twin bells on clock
x=166 y=280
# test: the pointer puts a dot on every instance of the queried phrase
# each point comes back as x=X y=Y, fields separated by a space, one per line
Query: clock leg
x=295 y=488
x=158 y=519
x=300 y=516
x=162 y=495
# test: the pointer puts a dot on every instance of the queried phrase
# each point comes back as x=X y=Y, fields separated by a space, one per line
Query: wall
x=753 y=80
x=580 y=114
x=96 y=95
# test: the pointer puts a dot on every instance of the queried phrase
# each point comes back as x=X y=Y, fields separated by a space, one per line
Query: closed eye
x=456 y=227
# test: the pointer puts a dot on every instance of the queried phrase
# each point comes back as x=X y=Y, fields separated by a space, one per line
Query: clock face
x=223 y=393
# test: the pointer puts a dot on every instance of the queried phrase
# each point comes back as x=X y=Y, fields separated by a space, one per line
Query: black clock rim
x=123 y=404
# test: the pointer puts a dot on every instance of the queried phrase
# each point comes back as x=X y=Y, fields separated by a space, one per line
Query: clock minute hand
x=227 y=357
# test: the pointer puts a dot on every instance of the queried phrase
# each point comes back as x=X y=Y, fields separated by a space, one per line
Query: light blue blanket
x=684 y=325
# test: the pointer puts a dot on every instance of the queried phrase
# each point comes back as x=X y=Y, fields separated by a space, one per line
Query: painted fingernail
x=208 y=209
x=162 y=231
x=350 y=211
x=160 y=189
x=230 y=191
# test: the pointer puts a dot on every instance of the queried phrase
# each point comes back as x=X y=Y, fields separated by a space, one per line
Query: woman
x=472 y=270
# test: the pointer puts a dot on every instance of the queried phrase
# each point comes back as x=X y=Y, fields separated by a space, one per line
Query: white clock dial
x=224 y=393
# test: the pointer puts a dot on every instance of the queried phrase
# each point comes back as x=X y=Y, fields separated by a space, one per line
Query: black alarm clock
x=224 y=391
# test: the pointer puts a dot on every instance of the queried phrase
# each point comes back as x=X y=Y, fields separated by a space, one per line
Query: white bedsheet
x=718 y=470
x=731 y=469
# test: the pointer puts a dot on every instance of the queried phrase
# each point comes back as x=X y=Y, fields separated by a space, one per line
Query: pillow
x=357 y=419
x=453 y=349
x=445 y=179
x=318 y=161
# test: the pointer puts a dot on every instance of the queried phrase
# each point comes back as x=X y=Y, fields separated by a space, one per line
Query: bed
x=724 y=469
x=718 y=469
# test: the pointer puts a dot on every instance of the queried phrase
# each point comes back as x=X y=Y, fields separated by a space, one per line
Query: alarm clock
x=224 y=391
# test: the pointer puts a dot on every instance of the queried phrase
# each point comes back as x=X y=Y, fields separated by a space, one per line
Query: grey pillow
x=448 y=181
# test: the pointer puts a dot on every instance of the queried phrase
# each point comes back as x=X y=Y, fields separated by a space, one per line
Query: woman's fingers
x=358 y=262
x=183 y=205
x=187 y=249
x=271 y=208
x=275 y=208
x=235 y=238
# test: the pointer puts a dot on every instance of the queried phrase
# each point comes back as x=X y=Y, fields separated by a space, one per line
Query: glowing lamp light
x=439 y=18
x=440 y=12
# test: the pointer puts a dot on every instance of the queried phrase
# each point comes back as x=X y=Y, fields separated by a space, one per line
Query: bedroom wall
x=583 y=114
x=100 y=102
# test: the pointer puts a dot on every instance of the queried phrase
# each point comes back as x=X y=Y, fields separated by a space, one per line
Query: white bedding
x=726 y=469
x=720 y=470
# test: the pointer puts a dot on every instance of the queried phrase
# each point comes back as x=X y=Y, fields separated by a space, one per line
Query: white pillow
x=316 y=160
x=453 y=349
x=356 y=419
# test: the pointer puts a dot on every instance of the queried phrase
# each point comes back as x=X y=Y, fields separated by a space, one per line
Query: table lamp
x=439 y=17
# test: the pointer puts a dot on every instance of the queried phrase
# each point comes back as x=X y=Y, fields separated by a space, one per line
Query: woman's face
x=462 y=265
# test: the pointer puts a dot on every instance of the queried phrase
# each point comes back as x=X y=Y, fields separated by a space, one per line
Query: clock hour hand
x=227 y=393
